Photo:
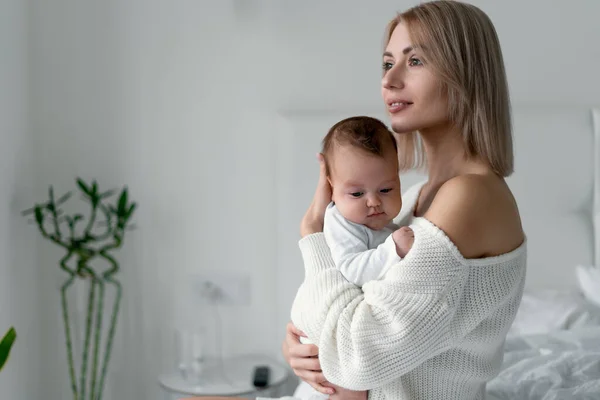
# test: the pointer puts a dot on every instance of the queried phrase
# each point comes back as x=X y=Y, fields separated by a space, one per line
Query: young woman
x=435 y=327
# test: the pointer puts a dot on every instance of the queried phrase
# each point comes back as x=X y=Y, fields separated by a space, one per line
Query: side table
x=231 y=378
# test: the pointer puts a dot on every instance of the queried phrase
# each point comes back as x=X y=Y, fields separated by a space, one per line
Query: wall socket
x=223 y=288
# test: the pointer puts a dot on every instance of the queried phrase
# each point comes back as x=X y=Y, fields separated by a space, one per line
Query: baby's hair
x=364 y=133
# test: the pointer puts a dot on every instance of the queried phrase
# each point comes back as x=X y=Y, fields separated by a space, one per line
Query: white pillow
x=588 y=278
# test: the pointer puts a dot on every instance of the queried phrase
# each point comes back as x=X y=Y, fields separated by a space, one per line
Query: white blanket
x=558 y=365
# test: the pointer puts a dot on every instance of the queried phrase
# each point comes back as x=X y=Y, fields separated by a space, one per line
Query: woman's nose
x=393 y=78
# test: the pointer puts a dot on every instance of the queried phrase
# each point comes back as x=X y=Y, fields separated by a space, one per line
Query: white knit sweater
x=433 y=328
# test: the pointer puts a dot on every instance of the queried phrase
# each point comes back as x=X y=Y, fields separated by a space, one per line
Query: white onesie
x=360 y=253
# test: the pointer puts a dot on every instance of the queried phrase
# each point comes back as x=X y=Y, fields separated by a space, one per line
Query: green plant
x=84 y=245
x=6 y=344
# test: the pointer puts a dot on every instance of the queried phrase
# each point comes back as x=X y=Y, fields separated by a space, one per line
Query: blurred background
x=188 y=103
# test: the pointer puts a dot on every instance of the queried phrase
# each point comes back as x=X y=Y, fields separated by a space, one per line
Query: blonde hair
x=460 y=44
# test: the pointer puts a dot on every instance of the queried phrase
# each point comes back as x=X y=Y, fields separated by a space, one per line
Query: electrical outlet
x=223 y=288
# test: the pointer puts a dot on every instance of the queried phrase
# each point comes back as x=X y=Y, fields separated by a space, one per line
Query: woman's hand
x=312 y=222
x=304 y=360
x=345 y=394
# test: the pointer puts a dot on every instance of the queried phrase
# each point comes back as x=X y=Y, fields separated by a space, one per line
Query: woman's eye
x=387 y=66
x=356 y=194
x=385 y=190
x=414 y=62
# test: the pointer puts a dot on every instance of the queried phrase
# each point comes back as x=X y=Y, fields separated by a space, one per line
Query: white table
x=231 y=378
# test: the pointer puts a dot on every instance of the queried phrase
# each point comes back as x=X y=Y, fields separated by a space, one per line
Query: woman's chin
x=400 y=125
x=401 y=128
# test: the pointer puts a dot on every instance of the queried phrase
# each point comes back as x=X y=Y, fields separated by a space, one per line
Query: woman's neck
x=446 y=155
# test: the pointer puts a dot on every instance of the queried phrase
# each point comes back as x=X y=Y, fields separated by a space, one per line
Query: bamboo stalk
x=111 y=333
x=65 y=313
x=98 y=331
x=85 y=247
x=86 y=345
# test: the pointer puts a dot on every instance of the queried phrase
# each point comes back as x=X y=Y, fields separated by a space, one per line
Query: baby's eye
x=386 y=190
x=356 y=194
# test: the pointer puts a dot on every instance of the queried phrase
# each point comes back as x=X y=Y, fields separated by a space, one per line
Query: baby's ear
x=331 y=185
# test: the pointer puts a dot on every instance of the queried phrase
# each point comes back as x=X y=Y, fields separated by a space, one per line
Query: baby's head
x=362 y=168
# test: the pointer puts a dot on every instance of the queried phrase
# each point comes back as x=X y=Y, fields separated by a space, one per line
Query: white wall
x=156 y=95
x=180 y=101
x=332 y=50
x=19 y=273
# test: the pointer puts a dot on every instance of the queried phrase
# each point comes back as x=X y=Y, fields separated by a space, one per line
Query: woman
x=435 y=326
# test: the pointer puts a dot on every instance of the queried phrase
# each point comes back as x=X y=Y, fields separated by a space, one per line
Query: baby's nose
x=373 y=201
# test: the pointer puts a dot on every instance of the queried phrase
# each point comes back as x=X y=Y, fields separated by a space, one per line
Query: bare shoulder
x=479 y=214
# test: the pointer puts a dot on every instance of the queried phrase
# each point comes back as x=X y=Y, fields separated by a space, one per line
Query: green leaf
x=131 y=209
x=95 y=199
x=122 y=202
x=83 y=186
x=28 y=211
x=39 y=215
x=108 y=193
x=63 y=198
x=6 y=344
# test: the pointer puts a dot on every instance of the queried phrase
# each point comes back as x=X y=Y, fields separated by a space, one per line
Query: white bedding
x=561 y=365
x=552 y=366
x=543 y=311
x=552 y=351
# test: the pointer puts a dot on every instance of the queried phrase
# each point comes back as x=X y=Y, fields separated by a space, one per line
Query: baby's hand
x=404 y=238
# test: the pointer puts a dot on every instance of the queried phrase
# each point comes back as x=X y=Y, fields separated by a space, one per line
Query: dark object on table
x=261 y=376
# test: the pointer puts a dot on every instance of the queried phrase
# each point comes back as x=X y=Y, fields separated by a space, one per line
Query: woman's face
x=410 y=89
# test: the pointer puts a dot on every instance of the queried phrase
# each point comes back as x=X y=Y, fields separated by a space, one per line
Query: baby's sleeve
x=349 y=245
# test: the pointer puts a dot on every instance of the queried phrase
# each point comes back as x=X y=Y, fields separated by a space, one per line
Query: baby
x=362 y=168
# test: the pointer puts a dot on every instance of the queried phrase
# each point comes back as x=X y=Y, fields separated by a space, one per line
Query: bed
x=553 y=348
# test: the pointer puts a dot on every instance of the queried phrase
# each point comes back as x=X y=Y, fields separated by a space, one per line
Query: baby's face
x=366 y=187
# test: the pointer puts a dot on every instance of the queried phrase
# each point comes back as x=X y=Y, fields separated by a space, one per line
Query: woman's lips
x=398 y=106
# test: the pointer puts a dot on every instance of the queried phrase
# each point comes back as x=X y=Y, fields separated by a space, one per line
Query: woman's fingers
x=304 y=360
x=321 y=388
x=315 y=379
x=312 y=221
x=310 y=363
x=291 y=328
x=323 y=193
x=303 y=350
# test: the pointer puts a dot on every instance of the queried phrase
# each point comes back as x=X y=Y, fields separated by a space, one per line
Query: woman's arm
x=303 y=358
x=369 y=337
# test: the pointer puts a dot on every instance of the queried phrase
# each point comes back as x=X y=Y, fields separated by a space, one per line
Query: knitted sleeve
x=370 y=337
